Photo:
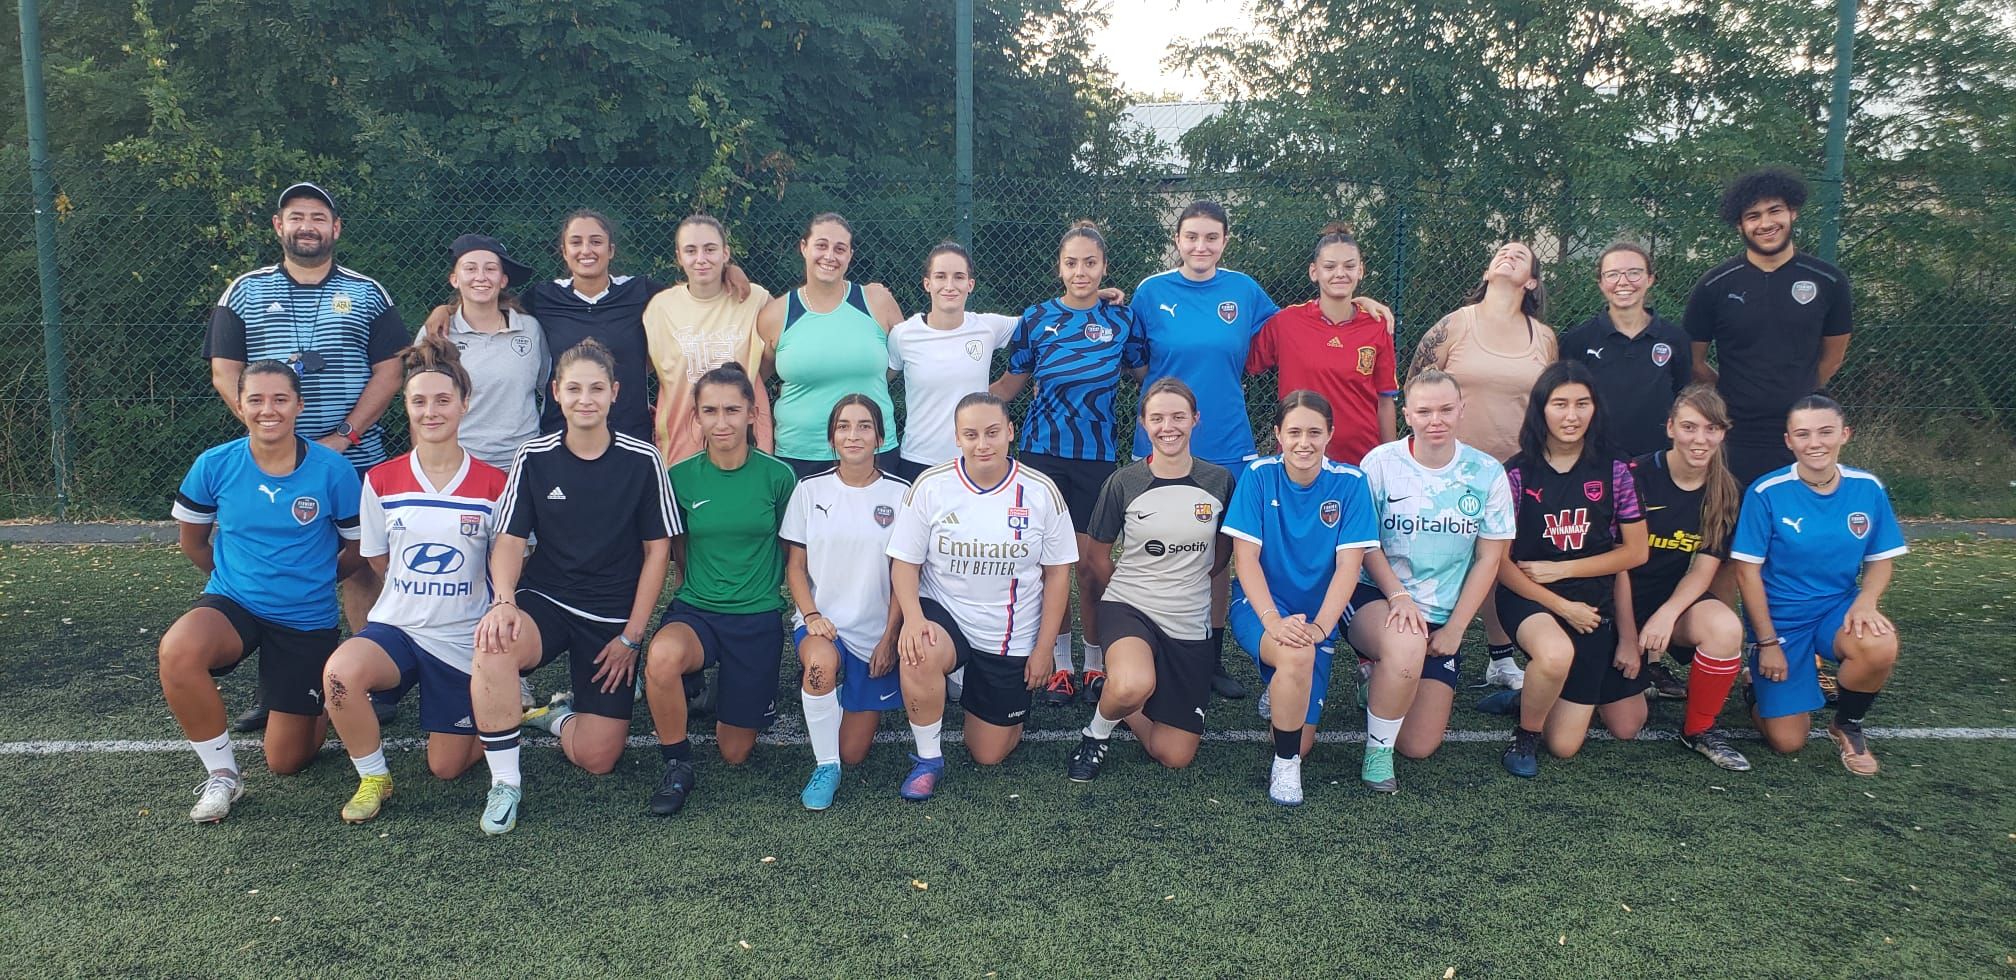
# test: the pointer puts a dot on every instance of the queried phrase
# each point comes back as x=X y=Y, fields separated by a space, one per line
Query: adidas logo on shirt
x=396 y=525
x=1334 y=342
x=557 y=494
x=275 y=307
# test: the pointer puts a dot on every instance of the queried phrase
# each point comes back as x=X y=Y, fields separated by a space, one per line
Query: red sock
x=1708 y=684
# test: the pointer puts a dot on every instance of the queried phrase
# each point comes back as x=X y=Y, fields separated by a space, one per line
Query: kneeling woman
x=604 y=515
x=727 y=610
x=1155 y=618
x=428 y=518
x=1579 y=526
x=983 y=550
x=1300 y=526
x=284 y=513
x=837 y=527
x=1807 y=533
x=1445 y=521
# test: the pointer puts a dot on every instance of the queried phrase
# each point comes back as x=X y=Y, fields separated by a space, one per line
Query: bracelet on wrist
x=636 y=646
x=503 y=602
x=1772 y=642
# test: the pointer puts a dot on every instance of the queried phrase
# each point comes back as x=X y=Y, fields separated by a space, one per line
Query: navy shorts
x=1182 y=667
x=1593 y=677
x=749 y=650
x=582 y=640
x=1447 y=670
x=995 y=690
x=858 y=691
x=290 y=660
x=444 y=690
x=1079 y=480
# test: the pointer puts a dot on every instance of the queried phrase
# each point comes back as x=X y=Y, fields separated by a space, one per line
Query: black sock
x=1852 y=705
x=1503 y=651
x=498 y=741
x=1287 y=743
x=1217 y=649
x=680 y=751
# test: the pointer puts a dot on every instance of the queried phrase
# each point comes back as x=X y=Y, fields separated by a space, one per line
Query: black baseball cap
x=305 y=189
x=519 y=272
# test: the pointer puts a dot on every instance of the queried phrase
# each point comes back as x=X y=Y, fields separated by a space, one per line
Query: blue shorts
x=1247 y=632
x=858 y=691
x=444 y=690
x=749 y=648
x=1810 y=633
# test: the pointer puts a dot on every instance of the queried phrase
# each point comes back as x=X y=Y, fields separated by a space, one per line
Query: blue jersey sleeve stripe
x=1892 y=553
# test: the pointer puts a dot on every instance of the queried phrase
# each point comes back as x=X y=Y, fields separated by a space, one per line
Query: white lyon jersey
x=983 y=549
x=437 y=548
x=845 y=533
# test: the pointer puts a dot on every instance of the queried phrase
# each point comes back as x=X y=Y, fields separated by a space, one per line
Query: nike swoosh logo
x=887 y=696
x=1649 y=508
x=1141 y=515
x=697 y=504
x=1394 y=500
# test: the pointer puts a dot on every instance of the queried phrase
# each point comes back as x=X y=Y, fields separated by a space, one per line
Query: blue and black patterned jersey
x=1075 y=358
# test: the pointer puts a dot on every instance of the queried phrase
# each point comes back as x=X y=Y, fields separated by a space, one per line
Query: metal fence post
x=962 y=42
x=45 y=251
x=1398 y=299
x=1837 y=127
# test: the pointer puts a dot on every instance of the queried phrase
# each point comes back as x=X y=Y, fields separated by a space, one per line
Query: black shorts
x=1448 y=670
x=995 y=690
x=1644 y=606
x=1079 y=480
x=290 y=660
x=1593 y=677
x=582 y=639
x=1747 y=463
x=1183 y=668
x=749 y=648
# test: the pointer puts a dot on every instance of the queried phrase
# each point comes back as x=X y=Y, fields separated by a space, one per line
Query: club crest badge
x=1203 y=513
x=1331 y=511
x=1593 y=490
x=471 y=524
x=1018 y=518
x=1367 y=357
x=1805 y=291
x=1858 y=524
x=305 y=509
x=1098 y=333
x=975 y=350
x=521 y=345
x=339 y=305
x=1228 y=311
x=1470 y=505
x=885 y=515
x=1661 y=354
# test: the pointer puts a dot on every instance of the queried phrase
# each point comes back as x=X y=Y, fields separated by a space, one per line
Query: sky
x=1140 y=32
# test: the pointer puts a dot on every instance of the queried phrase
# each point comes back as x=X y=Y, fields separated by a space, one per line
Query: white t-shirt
x=983 y=550
x=939 y=368
x=437 y=548
x=845 y=533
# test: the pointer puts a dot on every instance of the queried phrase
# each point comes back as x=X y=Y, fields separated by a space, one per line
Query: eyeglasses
x=1624 y=275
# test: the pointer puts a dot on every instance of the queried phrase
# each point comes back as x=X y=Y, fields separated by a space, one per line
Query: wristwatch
x=348 y=431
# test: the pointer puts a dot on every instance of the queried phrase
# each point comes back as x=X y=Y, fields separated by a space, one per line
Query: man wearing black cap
x=337 y=329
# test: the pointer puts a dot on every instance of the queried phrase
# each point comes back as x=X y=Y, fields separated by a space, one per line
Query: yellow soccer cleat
x=372 y=792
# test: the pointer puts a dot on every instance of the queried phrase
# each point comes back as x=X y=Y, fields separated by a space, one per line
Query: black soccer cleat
x=673 y=788
x=1087 y=758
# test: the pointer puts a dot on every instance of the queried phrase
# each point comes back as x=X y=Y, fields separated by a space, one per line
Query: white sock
x=822 y=725
x=373 y=764
x=1101 y=726
x=217 y=755
x=1063 y=649
x=927 y=739
x=1380 y=732
x=500 y=753
x=1095 y=657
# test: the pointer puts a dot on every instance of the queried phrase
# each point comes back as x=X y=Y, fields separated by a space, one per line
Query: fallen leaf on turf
x=1718 y=789
x=383 y=836
x=1847 y=879
x=919 y=884
x=1210 y=800
x=1869 y=795
x=276 y=918
x=1627 y=908
x=744 y=943
x=1168 y=898
x=252 y=891
x=769 y=860
x=1012 y=796
x=1449 y=974
x=1563 y=941
x=143 y=813
x=1887 y=939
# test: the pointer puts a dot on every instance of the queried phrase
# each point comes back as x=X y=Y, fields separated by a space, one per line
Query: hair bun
x=1336 y=228
x=1085 y=223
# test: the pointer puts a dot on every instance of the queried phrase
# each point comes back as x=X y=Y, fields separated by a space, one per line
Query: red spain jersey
x=1349 y=363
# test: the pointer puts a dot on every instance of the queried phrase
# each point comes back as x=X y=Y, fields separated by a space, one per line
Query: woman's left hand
x=616 y=666
x=1864 y=619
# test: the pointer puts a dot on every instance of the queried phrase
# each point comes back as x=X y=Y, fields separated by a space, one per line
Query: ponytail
x=433 y=354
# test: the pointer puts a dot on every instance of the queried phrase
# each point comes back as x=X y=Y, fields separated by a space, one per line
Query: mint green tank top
x=821 y=358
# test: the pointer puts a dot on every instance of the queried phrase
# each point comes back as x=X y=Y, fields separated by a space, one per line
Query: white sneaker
x=526 y=699
x=214 y=798
x=1505 y=673
x=1265 y=705
x=1285 y=786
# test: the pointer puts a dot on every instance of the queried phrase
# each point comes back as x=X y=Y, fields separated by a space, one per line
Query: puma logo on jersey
x=557 y=494
x=1534 y=493
x=1169 y=308
x=1738 y=297
x=1595 y=352
x=272 y=493
x=1050 y=329
x=825 y=510
x=1793 y=523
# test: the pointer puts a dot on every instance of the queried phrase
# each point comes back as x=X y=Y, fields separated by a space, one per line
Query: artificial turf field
x=1634 y=860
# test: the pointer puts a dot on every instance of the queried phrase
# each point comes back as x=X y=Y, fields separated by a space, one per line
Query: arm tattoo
x=1427 y=354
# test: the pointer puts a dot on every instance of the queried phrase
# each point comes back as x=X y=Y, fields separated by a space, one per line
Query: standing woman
x=604 y=515
x=825 y=340
x=428 y=519
x=1815 y=548
x=1495 y=346
x=1579 y=526
x=272 y=519
x=943 y=355
x=983 y=551
x=1331 y=346
x=1155 y=618
x=1690 y=504
x=699 y=325
x=837 y=527
x=726 y=612
x=1076 y=346
x=1445 y=522
x=502 y=349
x=1301 y=525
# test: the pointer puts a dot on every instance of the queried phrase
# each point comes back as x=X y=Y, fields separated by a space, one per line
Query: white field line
x=796 y=737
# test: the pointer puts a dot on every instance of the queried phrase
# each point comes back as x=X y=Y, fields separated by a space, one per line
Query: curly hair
x=1761 y=185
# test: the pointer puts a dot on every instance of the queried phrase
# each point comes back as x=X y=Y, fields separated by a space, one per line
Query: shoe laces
x=223 y=784
x=1059 y=680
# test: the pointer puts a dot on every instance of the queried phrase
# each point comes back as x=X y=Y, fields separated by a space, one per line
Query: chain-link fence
x=1930 y=379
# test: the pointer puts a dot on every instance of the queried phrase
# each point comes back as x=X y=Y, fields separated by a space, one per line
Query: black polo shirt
x=1766 y=328
x=616 y=319
x=1636 y=377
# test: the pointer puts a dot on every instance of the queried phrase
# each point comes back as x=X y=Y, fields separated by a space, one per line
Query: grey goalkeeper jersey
x=1168 y=529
